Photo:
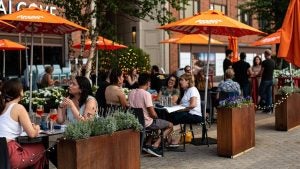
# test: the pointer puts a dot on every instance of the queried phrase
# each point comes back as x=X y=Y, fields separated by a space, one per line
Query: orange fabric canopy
x=290 y=35
x=271 y=39
x=36 y=20
x=102 y=43
x=211 y=22
x=190 y=39
x=10 y=45
x=233 y=45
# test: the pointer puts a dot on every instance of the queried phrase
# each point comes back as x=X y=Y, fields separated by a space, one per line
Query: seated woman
x=80 y=104
x=190 y=100
x=13 y=119
x=200 y=81
x=132 y=79
x=228 y=88
x=114 y=94
x=47 y=78
x=171 y=89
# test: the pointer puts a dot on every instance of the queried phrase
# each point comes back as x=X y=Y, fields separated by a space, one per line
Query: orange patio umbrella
x=211 y=22
x=9 y=45
x=290 y=34
x=35 y=20
x=233 y=45
x=102 y=44
x=190 y=39
x=271 y=39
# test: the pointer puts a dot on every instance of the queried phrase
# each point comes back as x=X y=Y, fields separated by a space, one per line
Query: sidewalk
x=274 y=149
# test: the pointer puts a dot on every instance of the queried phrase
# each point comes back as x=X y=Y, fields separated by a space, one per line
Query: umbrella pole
x=26 y=56
x=30 y=72
x=3 y=63
x=206 y=86
x=96 y=68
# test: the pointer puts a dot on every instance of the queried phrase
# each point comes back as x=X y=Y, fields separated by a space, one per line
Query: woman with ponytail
x=13 y=120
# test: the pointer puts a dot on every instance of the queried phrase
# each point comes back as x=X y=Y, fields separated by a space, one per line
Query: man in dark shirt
x=265 y=88
x=242 y=71
x=156 y=82
x=227 y=62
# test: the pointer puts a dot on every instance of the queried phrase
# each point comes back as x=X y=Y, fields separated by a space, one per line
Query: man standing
x=265 y=88
x=140 y=98
x=227 y=61
x=242 y=71
x=156 y=82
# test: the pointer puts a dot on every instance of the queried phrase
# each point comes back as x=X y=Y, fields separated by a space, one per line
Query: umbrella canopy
x=6 y=44
x=271 y=39
x=211 y=22
x=290 y=51
x=9 y=45
x=190 y=39
x=233 y=45
x=102 y=44
x=35 y=20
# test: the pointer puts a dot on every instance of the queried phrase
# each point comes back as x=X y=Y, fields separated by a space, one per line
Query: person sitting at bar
x=171 y=89
x=13 y=120
x=228 y=88
x=114 y=94
x=47 y=78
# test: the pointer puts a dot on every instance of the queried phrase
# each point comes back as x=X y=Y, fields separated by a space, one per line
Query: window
x=219 y=7
x=190 y=9
x=244 y=17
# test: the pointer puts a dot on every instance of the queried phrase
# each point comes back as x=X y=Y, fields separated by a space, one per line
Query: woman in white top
x=190 y=100
x=80 y=104
x=13 y=120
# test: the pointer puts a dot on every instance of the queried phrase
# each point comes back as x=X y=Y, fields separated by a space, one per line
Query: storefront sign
x=7 y=7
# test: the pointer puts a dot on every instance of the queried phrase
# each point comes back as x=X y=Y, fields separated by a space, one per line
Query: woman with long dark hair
x=80 y=104
x=13 y=120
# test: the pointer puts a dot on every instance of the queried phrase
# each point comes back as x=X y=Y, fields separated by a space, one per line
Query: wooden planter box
x=235 y=130
x=287 y=114
x=121 y=150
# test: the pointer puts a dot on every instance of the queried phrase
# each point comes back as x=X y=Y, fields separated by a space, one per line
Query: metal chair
x=138 y=112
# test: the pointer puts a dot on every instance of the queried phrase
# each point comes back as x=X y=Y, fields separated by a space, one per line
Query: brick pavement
x=273 y=150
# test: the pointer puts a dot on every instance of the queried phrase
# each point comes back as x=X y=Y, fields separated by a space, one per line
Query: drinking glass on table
x=53 y=118
x=40 y=110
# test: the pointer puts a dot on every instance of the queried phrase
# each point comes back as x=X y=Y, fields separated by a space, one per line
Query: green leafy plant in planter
x=236 y=101
x=286 y=90
x=102 y=125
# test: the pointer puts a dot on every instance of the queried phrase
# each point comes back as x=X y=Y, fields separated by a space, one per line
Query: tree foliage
x=270 y=13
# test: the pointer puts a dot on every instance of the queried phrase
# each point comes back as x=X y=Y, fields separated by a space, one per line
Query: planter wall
x=235 y=130
x=121 y=150
x=287 y=114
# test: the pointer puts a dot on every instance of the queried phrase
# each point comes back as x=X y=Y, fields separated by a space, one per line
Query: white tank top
x=9 y=128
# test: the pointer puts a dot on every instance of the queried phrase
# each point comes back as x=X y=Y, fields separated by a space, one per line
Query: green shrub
x=79 y=130
x=100 y=126
x=285 y=90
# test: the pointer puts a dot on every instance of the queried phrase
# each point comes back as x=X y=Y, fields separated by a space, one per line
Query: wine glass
x=53 y=118
x=40 y=110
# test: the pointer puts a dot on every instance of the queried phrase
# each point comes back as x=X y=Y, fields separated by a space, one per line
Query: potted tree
x=287 y=108
x=111 y=142
x=236 y=126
